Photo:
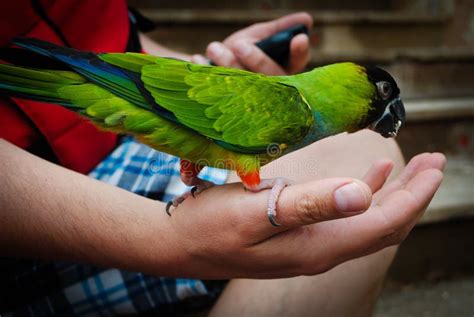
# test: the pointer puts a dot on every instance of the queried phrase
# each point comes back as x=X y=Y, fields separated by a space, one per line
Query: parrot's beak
x=391 y=120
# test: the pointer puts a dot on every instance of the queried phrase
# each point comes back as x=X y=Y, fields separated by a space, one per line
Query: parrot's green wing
x=242 y=111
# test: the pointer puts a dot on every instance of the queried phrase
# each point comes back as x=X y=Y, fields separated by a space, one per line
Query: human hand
x=238 y=240
x=239 y=50
x=223 y=233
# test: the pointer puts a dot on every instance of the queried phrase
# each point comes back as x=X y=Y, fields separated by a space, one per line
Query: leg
x=189 y=175
x=350 y=289
x=276 y=185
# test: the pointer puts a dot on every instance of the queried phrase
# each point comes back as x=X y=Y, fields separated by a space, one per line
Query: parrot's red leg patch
x=189 y=175
x=189 y=172
x=251 y=180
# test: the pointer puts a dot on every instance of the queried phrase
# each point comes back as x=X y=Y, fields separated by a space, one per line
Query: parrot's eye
x=385 y=89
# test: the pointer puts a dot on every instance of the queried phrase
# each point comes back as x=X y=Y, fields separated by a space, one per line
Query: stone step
x=433 y=273
x=432 y=253
x=447 y=126
x=248 y=16
x=455 y=198
x=394 y=55
x=439 y=109
x=452 y=297
x=376 y=5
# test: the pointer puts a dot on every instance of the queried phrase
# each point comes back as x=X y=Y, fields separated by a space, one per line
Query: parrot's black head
x=387 y=113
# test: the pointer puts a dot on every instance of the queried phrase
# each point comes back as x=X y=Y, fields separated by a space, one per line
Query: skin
x=238 y=50
x=53 y=213
x=65 y=216
x=223 y=233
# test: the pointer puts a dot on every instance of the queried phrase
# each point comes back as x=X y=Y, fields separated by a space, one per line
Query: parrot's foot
x=276 y=185
x=200 y=185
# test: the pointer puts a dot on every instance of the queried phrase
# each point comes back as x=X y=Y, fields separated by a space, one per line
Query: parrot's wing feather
x=242 y=111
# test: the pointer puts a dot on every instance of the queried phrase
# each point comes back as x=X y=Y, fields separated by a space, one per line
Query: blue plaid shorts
x=37 y=288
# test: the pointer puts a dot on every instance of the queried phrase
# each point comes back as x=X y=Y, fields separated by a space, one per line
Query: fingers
x=378 y=174
x=292 y=19
x=199 y=59
x=264 y=29
x=242 y=55
x=322 y=200
x=416 y=165
x=221 y=55
x=243 y=214
x=239 y=50
x=330 y=243
x=299 y=53
x=421 y=162
x=254 y=59
x=390 y=221
x=403 y=205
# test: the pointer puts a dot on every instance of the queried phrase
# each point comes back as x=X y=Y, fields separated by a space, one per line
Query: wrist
x=148 y=243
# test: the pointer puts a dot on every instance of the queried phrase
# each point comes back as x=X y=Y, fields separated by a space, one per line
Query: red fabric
x=15 y=126
x=94 y=25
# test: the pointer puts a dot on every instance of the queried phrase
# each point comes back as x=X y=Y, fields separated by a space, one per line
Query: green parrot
x=207 y=115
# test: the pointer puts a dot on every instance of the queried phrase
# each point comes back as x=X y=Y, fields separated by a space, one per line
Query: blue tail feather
x=121 y=82
x=88 y=65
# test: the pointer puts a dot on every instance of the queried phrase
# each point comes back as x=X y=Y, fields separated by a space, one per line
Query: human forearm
x=52 y=213
x=153 y=48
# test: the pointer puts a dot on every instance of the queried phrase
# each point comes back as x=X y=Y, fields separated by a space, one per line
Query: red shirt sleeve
x=94 y=25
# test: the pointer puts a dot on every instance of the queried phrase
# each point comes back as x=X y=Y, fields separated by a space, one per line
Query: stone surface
x=443 y=299
x=455 y=198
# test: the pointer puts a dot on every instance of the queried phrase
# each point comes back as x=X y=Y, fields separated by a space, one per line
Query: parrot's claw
x=271 y=217
x=201 y=185
x=276 y=185
x=193 y=191
x=176 y=201
x=168 y=206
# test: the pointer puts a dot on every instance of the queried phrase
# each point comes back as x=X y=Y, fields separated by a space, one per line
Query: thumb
x=322 y=200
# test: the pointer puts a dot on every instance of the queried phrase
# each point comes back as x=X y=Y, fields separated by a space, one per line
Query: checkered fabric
x=35 y=288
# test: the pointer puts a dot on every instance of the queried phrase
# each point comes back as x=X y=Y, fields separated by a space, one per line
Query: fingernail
x=350 y=198
x=243 y=49
x=215 y=50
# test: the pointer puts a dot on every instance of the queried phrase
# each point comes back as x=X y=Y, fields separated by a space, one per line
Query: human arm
x=153 y=48
x=52 y=213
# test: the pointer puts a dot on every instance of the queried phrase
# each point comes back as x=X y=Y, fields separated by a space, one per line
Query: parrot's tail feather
x=89 y=65
x=80 y=61
x=36 y=84
x=118 y=80
x=36 y=45
x=26 y=58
